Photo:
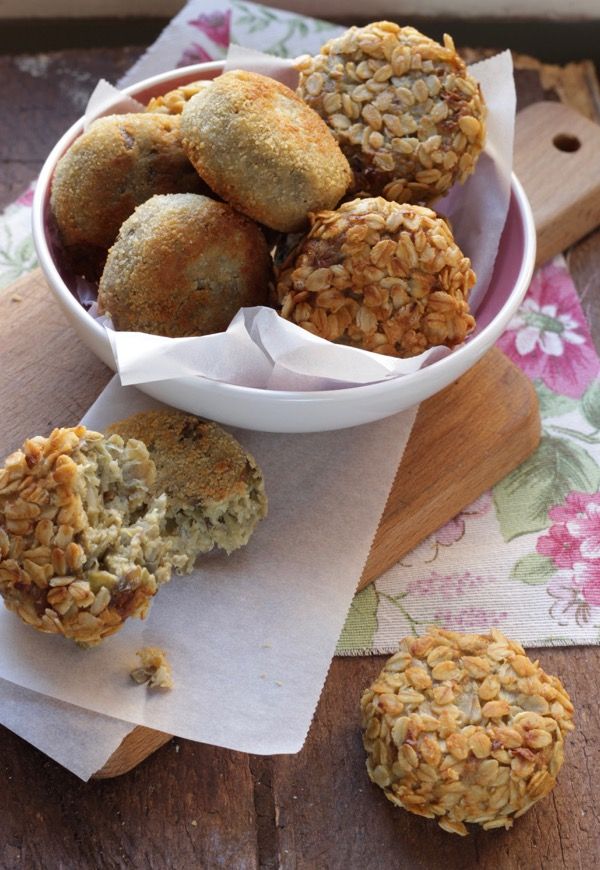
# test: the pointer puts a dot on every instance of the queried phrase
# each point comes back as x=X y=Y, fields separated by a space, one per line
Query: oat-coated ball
x=260 y=148
x=465 y=728
x=117 y=164
x=183 y=265
x=173 y=102
x=407 y=114
x=80 y=533
x=379 y=275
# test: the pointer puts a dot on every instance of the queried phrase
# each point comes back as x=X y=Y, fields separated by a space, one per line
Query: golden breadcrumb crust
x=184 y=265
x=263 y=150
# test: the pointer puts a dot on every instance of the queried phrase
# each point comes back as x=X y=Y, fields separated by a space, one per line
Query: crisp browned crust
x=120 y=162
x=407 y=114
x=379 y=275
x=196 y=461
x=263 y=150
x=465 y=728
x=182 y=265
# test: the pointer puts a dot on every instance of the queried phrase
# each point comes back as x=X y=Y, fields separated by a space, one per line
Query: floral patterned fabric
x=524 y=557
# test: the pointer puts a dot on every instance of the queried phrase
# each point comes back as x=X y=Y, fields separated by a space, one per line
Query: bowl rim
x=473 y=348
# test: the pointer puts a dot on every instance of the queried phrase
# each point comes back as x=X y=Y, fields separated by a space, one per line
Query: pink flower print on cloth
x=573 y=545
x=575 y=533
x=215 y=25
x=194 y=53
x=454 y=530
x=549 y=338
x=576 y=595
x=585 y=528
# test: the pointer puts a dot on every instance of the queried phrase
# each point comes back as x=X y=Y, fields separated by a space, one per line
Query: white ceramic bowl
x=287 y=411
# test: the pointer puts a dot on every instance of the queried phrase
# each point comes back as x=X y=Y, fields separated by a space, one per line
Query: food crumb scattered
x=278 y=683
x=194 y=823
x=16 y=297
x=155 y=670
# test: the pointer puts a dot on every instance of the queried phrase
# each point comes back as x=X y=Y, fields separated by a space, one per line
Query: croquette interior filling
x=88 y=533
x=227 y=524
x=125 y=521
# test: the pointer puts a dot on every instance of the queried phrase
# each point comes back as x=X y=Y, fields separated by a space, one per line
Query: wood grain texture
x=465 y=439
x=315 y=811
x=40 y=97
x=331 y=816
x=188 y=806
x=137 y=746
x=557 y=159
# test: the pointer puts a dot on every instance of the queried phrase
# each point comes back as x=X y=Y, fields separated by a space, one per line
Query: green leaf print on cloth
x=533 y=569
x=590 y=404
x=524 y=497
x=361 y=622
x=284 y=34
x=552 y=404
x=17 y=255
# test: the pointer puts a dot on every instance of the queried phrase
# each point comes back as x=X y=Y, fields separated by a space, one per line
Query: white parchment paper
x=78 y=739
x=259 y=348
x=250 y=636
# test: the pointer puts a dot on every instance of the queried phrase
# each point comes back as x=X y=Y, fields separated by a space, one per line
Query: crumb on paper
x=16 y=297
x=155 y=670
x=278 y=683
x=265 y=646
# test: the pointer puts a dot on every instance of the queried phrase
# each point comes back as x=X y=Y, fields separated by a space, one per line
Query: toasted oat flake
x=447 y=754
x=80 y=545
x=379 y=275
x=404 y=109
x=173 y=102
x=155 y=670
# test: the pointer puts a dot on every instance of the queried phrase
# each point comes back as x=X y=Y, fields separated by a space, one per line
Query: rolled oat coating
x=173 y=102
x=80 y=542
x=465 y=728
x=379 y=275
x=405 y=111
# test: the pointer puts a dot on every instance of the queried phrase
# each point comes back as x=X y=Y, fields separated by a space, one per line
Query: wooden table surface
x=195 y=806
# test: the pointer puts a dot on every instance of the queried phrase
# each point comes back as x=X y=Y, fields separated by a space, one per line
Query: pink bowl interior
x=507 y=266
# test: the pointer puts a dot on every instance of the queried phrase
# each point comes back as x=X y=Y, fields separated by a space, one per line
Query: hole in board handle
x=566 y=142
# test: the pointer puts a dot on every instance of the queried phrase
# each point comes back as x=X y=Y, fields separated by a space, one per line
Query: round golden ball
x=184 y=265
x=118 y=163
x=407 y=114
x=381 y=276
x=465 y=728
x=260 y=148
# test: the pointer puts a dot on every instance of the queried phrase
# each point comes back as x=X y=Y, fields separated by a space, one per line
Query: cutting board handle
x=557 y=160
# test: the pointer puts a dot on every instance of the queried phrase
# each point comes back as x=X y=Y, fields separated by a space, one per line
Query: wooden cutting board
x=465 y=439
